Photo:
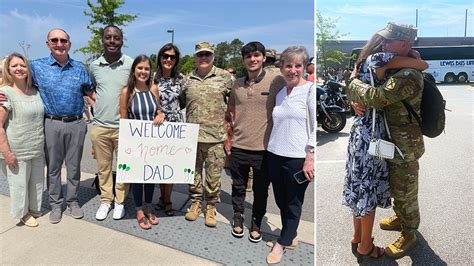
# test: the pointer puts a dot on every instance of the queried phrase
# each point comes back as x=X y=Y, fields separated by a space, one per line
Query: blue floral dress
x=366 y=182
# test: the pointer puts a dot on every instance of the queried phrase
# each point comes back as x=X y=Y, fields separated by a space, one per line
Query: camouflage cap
x=395 y=31
x=270 y=53
x=203 y=47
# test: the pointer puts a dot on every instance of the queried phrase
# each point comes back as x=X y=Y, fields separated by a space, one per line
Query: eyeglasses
x=168 y=56
x=55 y=40
x=204 y=54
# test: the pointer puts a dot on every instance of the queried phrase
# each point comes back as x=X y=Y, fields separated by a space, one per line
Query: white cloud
x=32 y=29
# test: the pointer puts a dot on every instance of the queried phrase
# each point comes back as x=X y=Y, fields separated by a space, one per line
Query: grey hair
x=294 y=52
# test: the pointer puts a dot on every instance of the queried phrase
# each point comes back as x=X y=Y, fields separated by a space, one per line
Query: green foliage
x=326 y=30
x=187 y=64
x=153 y=60
x=100 y=16
x=228 y=55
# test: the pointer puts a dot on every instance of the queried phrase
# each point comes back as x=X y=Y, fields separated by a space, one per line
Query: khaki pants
x=211 y=155
x=104 y=144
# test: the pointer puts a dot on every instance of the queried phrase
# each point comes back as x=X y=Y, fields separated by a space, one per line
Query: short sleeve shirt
x=61 y=87
x=24 y=127
x=109 y=79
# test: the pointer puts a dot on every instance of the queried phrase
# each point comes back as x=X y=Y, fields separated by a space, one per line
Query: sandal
x=354 y=247
x=169 y=209
x=380 y=253
x=293 y=245
x=160 y=205
x=143 y=223
x=151 y=217
x=273 y=258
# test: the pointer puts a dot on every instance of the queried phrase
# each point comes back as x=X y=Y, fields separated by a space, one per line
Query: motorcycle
x=336 y=96
x=331 y=117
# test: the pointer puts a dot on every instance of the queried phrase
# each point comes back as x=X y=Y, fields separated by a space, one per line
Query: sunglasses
x=55 y=40
x=169 y=56
x=204 y=54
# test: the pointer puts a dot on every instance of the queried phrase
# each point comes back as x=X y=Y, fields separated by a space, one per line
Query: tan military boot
x=392 y=223
x=210 y=216
x=193 y=211
x=401 y=245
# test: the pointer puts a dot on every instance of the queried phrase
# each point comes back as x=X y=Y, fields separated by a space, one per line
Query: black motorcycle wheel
x=337 y=124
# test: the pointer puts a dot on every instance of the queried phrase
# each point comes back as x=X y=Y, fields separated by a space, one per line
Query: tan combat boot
x=392 y=223
x=210 y=216
x=404 y=243
x=193 y=211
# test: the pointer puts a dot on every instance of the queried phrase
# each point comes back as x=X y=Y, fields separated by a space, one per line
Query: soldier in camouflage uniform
x=205 y=91
x=270 y=62
x=406 y=84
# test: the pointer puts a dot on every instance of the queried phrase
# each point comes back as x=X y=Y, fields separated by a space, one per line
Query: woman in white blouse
x=291 y=146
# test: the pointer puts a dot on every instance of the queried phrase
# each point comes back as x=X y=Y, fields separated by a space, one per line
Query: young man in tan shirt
x=250 y=105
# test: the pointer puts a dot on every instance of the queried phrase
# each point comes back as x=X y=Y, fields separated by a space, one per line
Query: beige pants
x=105 y=144
x=26 y=184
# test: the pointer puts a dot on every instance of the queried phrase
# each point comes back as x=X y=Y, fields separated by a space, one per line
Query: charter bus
x=448 y=64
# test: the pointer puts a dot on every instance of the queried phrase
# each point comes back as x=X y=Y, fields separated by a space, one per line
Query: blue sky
x=276 y=23
x=436 y=18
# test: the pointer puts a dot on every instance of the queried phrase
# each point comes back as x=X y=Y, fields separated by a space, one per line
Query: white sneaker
x=119 y=211
x=102 y=212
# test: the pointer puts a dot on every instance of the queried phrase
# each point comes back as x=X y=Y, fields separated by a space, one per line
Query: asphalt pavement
x=445 y=235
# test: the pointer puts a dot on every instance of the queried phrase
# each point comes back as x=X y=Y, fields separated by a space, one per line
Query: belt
x=63 y=118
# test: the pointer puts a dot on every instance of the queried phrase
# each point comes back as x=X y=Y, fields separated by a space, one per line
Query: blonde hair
x=7 y=77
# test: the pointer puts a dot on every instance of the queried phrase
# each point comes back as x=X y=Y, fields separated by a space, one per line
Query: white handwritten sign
x=156 y=154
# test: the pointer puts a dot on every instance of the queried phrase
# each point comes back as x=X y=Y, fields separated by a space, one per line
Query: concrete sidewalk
x=78 y=242
x=88 y=241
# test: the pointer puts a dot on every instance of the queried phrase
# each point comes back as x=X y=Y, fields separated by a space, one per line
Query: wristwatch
x=311 y=150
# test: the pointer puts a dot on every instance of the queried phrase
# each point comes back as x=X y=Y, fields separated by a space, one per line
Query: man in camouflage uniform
x=406 y=84
x=271 y=59
x=205 y=91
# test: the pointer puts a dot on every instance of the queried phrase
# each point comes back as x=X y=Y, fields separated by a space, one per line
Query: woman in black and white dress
x=168 y=80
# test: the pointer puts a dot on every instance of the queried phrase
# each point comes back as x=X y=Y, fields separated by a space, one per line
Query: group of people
x=387 y=76
x=270 y=111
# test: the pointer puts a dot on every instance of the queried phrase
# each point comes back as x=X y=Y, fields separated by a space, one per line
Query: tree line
x=104 y=13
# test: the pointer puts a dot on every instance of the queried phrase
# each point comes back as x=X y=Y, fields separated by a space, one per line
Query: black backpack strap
x=411 y=112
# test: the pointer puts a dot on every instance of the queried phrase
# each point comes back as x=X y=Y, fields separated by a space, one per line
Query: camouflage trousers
x=404 y=189
x=210 y=156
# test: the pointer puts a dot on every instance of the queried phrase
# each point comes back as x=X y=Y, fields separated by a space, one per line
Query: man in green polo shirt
x=109 y=74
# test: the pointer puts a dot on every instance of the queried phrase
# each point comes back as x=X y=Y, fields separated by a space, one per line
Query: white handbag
x=379 y=148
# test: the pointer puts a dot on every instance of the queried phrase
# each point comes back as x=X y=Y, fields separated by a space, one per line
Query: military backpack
x=432 y=108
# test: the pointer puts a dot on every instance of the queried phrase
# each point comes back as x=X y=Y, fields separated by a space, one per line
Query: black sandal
x=380 y=253
x=169 y=209
x=354 y=247
x=160 y=205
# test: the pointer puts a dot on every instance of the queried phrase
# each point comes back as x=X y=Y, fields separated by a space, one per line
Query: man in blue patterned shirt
x=62 y=83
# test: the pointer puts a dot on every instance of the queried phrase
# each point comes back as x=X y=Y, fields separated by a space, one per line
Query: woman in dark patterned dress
x=366 y=184
x=168 y=81
x=138 y=100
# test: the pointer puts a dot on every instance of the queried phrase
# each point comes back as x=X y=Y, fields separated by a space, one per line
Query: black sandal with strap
x=169 y=209
x=380 y=252
x=354 y=247
x=160 y=205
